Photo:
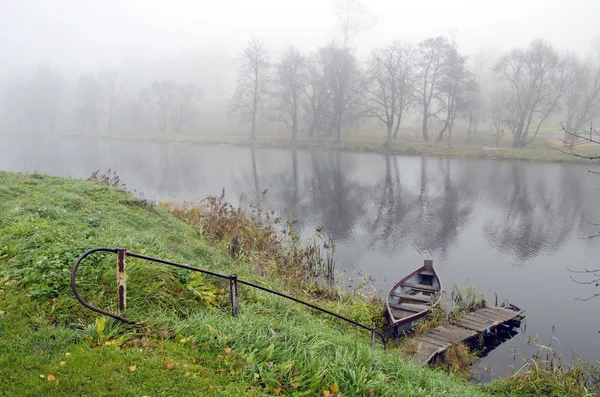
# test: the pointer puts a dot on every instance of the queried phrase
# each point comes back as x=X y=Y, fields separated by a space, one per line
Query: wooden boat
x=413 y=297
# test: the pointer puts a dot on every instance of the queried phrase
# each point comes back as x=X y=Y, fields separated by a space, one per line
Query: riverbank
x=188 y=344
x=541 y=150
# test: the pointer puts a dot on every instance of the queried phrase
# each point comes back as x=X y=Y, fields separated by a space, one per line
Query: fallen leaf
x=51 y=378
x=211 y=386
x=295 y=384
x=67 y=354
x=56 y=383
x=277 y=390
x=334 y=388
x=232 y=372
x=81 y=350
x=170 y=365
x=132 y=368
x=227 y=350
x=326 y=393
x=42 y=376
x=188 y=373
x=63 y=363
x=296 y=372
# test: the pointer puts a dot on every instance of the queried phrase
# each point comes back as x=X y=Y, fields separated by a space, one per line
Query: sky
x=80 y=34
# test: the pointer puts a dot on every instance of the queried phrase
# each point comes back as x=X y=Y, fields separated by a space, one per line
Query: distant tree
x=252 y=81
x=44 y=93
x=171 y=105
x=317 y=94
x=456 y=81
x=582 y=99
x=109 y=87
x=184 y=107
x=291 y=84
x=89 y=102
x=498 y=108
x=432 y=62
x=354 y=17
x=389 y=85
x=536 y=78
x=159 y=99
x=345 y=83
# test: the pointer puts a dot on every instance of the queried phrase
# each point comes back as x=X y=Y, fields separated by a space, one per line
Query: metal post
x=121 y=279
x=372 y=338
x=233 y=289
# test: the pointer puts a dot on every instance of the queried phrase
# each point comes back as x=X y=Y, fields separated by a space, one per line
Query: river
x=512 y=228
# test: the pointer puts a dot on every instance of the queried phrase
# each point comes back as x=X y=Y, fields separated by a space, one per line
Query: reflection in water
x=475 y=218
x=533 y=218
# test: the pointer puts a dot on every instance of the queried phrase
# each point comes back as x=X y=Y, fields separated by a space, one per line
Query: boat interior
x=414 y=294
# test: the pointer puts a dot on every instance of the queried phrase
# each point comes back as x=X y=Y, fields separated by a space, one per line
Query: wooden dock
x=462 y=329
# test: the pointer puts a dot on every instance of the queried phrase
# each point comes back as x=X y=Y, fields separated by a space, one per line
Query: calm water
x=511 y=228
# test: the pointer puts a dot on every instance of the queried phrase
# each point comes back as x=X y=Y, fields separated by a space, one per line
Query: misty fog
x=82 y=67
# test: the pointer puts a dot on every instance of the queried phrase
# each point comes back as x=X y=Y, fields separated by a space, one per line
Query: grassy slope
x=187 y=346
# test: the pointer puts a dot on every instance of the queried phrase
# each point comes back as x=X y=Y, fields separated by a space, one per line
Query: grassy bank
x=541 y=150
x=187 y=343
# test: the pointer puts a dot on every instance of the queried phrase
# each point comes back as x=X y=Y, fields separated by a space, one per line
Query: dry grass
x=457 y=359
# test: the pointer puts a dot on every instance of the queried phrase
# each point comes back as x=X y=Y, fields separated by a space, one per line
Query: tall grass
x=252 y=234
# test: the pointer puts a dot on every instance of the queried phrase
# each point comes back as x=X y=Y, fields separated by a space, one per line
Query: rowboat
x=413 y=297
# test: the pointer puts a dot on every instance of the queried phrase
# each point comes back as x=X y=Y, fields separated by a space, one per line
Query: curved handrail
x=76 y=291
x=373 y=331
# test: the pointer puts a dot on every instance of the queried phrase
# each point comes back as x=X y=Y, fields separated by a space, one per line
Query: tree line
x=329 y=89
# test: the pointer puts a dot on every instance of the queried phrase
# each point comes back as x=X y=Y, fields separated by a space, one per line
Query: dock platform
x=462 y=329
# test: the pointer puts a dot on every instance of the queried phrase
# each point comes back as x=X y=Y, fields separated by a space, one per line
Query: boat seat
x=421 y=287
x=426 y=273
x=410 y=307
x=416 y=298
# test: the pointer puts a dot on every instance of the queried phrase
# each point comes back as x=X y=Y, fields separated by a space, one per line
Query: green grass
x=187 y=343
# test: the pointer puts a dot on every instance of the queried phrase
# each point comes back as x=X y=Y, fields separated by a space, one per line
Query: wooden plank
x=454 y=330
x=451 y=335
x=432 y=341
x=421 y=287
x=476 y=321
x=484 y=316
x=416 y=298
x=468 y=325
x=437 y=335
x=426 y=273
x=505 y=312
x=490 y=314
x=409 y=307
x=425 y=352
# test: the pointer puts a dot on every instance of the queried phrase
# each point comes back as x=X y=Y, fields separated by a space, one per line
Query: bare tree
x=498 y=113
x=45 y=89
x=292 y=82
x=345 y=83
x=582 y=99
x=183 y=108
x=160 y=98
x=89 y=102
x=109 y=86
x=455 y=81
x=389 y=85
x=536 y=78
x=354 y=17
x=431 y=65
x=252 y=80
x=317 y=94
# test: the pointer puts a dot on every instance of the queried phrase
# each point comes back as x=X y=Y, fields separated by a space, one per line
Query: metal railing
x=233 y=289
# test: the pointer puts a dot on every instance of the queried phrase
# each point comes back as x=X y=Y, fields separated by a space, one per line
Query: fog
x=81 y=35
x=70 y=45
